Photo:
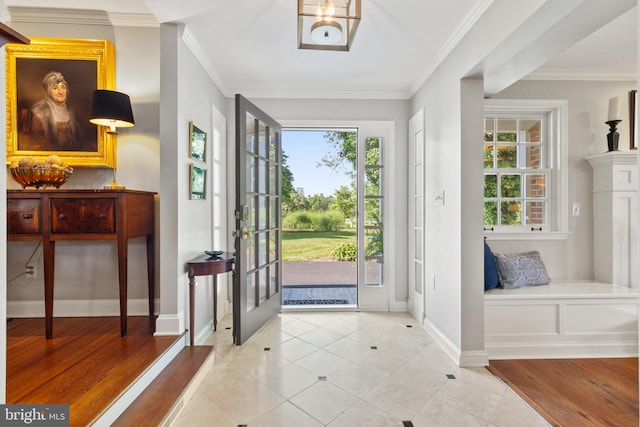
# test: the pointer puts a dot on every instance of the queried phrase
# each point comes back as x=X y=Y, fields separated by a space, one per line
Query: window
x=525 y=169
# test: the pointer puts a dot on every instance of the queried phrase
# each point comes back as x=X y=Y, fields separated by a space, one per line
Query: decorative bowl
x=40 y=177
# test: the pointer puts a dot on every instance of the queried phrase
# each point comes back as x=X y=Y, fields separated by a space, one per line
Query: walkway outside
x=319 y=283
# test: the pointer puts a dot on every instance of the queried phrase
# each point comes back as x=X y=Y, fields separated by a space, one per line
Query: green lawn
x=309 y=245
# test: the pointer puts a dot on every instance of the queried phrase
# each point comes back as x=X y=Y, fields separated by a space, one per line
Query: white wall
x=506 y=41
x=188 y=94
x=588 y=107
x=88 y=270
x=446 y=258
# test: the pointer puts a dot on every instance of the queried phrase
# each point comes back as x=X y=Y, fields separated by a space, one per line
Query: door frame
x=382 y=299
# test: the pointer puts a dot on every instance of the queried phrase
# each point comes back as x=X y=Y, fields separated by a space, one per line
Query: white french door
x=416 y=216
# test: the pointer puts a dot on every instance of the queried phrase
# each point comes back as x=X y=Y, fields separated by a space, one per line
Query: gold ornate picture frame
x=38 y=123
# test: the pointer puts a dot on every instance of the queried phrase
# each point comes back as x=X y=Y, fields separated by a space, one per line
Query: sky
x=304 y=149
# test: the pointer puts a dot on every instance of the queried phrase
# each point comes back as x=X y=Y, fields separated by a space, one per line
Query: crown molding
x=580 y=75
x=323 y=94
x=201 y=56
x=41 y=15
x=468 y=22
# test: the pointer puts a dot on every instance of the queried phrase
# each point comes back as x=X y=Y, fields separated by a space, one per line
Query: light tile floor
x=345 y=369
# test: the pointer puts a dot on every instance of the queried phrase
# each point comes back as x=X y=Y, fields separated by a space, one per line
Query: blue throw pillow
x=491 y=279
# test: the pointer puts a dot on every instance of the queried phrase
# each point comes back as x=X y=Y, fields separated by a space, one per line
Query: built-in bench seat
x=565 y=319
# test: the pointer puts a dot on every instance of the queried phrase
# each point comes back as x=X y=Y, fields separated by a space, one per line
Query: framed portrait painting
x=197 y=142
x=197 y=183
x=49 y=87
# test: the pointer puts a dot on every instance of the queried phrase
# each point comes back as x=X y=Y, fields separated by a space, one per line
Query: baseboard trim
x=79 y=308
x=542 y=350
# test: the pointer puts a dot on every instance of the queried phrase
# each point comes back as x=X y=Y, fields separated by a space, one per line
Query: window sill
x=532 y=235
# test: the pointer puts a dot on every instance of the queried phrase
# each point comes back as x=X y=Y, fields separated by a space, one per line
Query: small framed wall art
x=197 y=143
x=197 y=183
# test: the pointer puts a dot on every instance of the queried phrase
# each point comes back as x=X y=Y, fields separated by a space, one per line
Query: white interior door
x=416 y=216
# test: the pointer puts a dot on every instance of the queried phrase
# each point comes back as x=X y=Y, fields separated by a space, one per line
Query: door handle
x=244 y=233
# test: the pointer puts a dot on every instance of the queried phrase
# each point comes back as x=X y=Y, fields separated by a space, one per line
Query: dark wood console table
x=206 y=266
x=56 y=215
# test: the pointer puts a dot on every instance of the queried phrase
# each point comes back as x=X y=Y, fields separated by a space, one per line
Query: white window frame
x=556 y=112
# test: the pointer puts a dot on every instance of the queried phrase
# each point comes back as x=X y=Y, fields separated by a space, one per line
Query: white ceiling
x=251 y=45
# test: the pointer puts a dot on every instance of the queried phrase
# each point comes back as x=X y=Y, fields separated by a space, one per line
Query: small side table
x=205 y=265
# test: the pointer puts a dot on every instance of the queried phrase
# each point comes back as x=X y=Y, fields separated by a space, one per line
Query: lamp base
x=114 y=185
x=613 y=136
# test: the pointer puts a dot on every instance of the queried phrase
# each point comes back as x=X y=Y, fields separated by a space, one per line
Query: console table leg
x=151 y=274
x=192 y=300
x=215 y=303
x=122 y=279
x=48 y=255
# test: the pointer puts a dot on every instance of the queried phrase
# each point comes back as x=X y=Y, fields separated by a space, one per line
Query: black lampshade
x=111 y=108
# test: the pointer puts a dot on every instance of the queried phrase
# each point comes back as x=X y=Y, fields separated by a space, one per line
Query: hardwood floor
x=576 y=392
x=86 y=365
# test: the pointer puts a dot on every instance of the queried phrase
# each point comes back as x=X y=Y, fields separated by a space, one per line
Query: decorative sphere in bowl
x=49 y=173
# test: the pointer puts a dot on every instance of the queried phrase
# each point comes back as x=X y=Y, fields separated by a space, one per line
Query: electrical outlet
x=32 y=270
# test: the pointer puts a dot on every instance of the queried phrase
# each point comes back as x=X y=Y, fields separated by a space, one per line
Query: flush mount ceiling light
x=327 y=24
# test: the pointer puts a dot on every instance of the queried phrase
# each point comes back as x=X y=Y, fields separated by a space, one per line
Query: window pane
x=507 y=130
x=491 y=185
x=510 y=185
x=262 y=171
x=507 y=157
x=273 y=284
x=488 y=129
x=250 y=133
x=488 y=156
x=373 y=272
x=373 y=211
x=262 y=213
x=373 y=181
x=251 y=175
x=530 y=130
x=251 y=291
x=536 y=213
x=490 y=213
x=511 y=213
x=372 y=151
x=531 y=156
x=262 y=285
x=535 y=185
x=262 y=139
x=373 y=242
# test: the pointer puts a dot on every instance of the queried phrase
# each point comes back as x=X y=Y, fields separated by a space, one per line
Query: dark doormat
x=314 y=301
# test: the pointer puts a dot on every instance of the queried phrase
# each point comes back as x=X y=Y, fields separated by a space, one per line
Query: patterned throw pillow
x=518 y=270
